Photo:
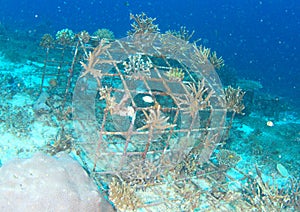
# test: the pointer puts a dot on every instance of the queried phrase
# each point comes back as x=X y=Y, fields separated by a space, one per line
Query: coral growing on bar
x=204 y=56
x=218 y=63
x=234 y=99
x=175 y=74
x=197 y=97
x=104 y=34
x=201 y=53
x=65 y=37
x=183 y=33
x=94 y=60
x=142 y=24
x=137 y=66
x=155 y=120
x=140 y=174
x=123 y=196
x=47 y=41
x=84 y=36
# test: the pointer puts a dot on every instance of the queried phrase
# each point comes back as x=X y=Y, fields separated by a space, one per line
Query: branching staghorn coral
x=142 y=24
x=234 y=103
x=183 y=33
x=137 y=67
x=218 y=63
x=175 y=74
x=155 y=120
x=140 y=173
x=201 y=53
x=234 y=99
x=112 y=106
x=204 y=56
x=63 y=142
x=94 y=59
x=191 y=196
x=105 y=93
x=123 y=195
x=197 y=98
x=269 y=196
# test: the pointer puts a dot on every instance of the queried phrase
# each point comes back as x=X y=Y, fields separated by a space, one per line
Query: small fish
x=126 y=3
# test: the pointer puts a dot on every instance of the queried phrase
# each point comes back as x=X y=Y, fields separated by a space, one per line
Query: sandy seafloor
x=22 y=132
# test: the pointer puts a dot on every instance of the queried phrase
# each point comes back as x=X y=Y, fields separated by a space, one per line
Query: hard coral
x=45 y=183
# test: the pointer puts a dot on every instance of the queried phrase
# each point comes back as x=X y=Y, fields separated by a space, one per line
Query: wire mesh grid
x=146 y=99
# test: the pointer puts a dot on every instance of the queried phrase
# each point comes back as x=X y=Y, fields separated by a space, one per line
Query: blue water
x=260 y=39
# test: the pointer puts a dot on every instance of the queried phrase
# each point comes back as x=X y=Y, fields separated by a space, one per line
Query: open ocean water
x=247 y=158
